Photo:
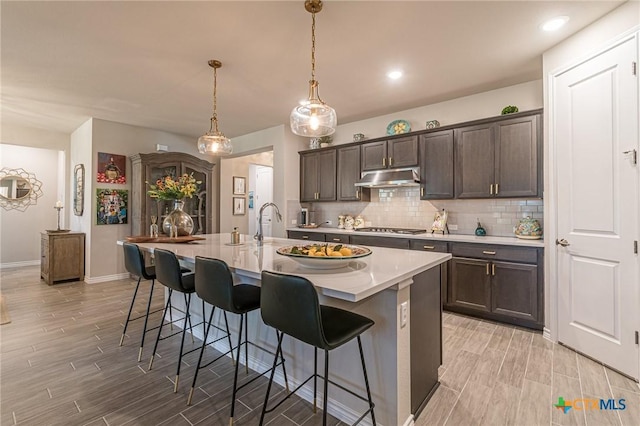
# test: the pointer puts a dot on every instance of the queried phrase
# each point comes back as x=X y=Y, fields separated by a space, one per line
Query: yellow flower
x=169 y=188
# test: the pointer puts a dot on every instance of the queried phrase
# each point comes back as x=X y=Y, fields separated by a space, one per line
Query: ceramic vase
x=180 y=219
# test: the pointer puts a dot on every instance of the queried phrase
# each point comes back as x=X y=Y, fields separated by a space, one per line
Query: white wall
x=20 y=230
x=570 y=52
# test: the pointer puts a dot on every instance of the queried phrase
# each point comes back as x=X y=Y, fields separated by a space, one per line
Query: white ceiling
x=145 y=63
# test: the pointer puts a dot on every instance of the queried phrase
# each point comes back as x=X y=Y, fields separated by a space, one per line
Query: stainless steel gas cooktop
x=392 y=230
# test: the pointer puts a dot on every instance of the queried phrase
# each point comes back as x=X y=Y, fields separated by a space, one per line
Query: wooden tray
x=177 y=240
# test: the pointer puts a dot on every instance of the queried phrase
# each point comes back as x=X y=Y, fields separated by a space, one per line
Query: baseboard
x=336 y=408
x=410 y=421
x=19 y=264
x=546 y=333
x=105 y=278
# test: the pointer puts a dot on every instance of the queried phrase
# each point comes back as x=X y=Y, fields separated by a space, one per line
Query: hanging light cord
x=313 y=46
x=214 y=117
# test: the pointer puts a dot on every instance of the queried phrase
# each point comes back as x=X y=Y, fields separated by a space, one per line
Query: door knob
x=562 y=242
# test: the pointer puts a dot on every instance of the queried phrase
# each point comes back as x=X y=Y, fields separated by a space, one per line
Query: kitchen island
x=398 y=289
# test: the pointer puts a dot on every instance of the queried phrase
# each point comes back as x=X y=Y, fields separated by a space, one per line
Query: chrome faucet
x=259 y=237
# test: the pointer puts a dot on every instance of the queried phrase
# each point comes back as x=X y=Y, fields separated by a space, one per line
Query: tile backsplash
x=402 y=207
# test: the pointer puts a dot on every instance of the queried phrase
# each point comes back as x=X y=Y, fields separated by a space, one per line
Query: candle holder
x=58 y=230
x=58 y=208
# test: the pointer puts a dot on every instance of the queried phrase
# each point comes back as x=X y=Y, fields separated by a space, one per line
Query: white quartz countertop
x=460 y=238
x=363 y=277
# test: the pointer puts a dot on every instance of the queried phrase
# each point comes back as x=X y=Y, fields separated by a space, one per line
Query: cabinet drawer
x=300 y=235
x=336 y=238
x=427 y=245
x=369 y=240
x=493 y=252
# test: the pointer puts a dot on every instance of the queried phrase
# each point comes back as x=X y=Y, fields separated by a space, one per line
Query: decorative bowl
x=528 y=229
x=397 y=127
x=300 y=255
x=432 y=124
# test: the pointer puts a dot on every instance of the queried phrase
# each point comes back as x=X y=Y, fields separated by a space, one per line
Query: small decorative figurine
x=341 y=221
x=348 y=223
x=480 y=231
x=359 y=222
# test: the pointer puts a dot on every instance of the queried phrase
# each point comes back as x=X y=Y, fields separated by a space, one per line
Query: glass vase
x=178 y=218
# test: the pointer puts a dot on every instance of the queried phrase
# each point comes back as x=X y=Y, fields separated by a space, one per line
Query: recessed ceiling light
x=554 y=24
x=394 y=75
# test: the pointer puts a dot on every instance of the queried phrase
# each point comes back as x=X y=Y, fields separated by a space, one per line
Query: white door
x=595 y=121
x=264 y=194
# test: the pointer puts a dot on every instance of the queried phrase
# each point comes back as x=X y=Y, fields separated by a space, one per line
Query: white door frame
x=551 y=192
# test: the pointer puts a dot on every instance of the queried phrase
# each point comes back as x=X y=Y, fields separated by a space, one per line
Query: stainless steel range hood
x=389 y=178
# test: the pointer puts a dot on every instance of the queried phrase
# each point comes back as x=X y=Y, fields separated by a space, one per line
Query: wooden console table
x=62 y=256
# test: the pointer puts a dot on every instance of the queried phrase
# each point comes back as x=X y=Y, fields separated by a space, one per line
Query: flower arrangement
x=169 y=188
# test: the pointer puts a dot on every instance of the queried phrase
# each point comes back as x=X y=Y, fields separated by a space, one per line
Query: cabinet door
x=67 y=257
x=308 y=176
x=470 y=284
x=300 y=235
x=196 y=206
x=348 y=174
x=327 y=175
x=402 y=152
x=374 y=155
x=474 y=161
x=336 y=238
x=390 y=242
x=514 y=290
x=517 y=157
x=436 y=165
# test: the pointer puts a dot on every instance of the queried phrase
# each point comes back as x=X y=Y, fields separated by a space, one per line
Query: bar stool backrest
x=134 y=261
x=290 y=304
x=168 y=270
x=214 y=283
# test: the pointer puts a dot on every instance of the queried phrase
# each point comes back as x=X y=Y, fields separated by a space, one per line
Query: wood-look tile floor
x=60 y=364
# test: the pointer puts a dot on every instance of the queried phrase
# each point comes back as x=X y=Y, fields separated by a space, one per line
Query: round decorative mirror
x=14 y=187
x=18 y=189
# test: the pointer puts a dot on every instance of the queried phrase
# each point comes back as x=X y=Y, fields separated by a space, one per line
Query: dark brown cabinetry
x=348 y=174
x=62 y=257
x=318 y=176
x=440 y=247
x=301 y=235
x=370 y=240
x=337 y=238
x=499 y=158
x=436 y=165
x=393 y=153
x=497 y=282
x=154 y=166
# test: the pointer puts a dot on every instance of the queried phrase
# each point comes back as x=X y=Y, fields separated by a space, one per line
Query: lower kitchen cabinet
x=371 y=240
x=301 y=235
x=499 y=282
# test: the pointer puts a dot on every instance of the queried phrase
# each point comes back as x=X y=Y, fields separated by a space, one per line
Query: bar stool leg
x=284 y=370
x=226 y=323
x=187 y=318
x=273 y=370
x=246 y=345
x=366 y=381
x=204 y=345
x=315 y=379
x=133 y=301
x=146 y=320
x=326 y=387
x=167 y=306
x=235 y=376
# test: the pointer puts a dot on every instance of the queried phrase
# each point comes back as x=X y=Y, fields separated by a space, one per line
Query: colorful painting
x=112 y=205
x=111 y=168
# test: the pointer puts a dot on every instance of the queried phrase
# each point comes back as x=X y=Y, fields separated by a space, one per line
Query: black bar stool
x=214 y=284
x=169 y=273
x=290 y=304
x=134 y=263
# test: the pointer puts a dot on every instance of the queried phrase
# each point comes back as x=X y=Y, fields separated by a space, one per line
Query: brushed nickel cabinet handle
x=487 y=269
x=497 y=186
x=390 y=161
x=384 y=162
x=357 y=193
x=336 y=239
x=422 y=191
x=488 y=252
x=305 y=237
x=491 y=189
x=428 y=247
x=493 y=269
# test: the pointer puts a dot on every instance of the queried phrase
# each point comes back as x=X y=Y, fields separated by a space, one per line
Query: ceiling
x=145 y=63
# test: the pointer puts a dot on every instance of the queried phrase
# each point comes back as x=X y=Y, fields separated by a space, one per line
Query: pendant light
x=214 y=142
x=313 y=118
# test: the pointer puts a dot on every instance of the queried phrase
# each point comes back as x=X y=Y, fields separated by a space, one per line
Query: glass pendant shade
x=313 y=118
x=210 y=143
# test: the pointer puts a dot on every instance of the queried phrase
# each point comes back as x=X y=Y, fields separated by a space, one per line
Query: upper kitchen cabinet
x=499 y=158
x=318 y=176
x=390 y=154
x=154 y=166
x=436 y=165
x=349 y=173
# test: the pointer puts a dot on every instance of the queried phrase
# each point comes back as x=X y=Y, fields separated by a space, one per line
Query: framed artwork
x=440 y=222
x=238 y=206
x=111 y=168
x=250 y=200
x=239 y=185
x=112 y=206
x=78 y=190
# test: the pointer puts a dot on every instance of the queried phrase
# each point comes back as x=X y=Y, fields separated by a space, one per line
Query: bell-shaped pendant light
x=214 y=141
x=313 y=118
